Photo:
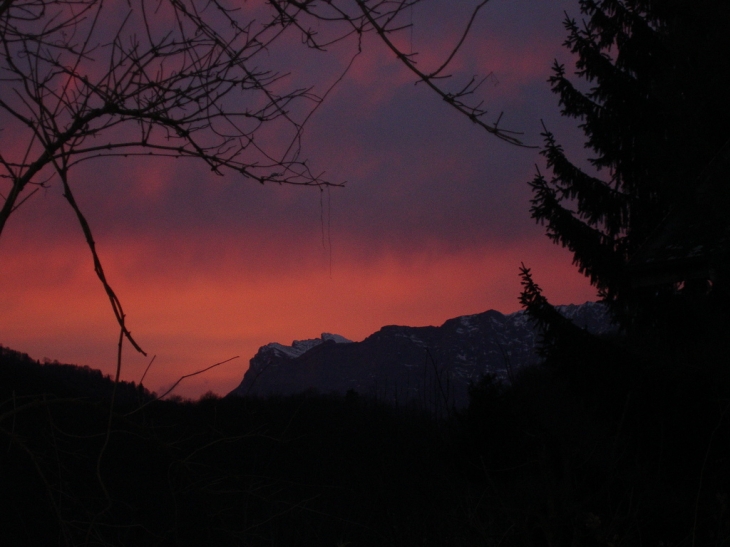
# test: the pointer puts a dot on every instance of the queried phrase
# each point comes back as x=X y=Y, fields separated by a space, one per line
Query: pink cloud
x=433 y=224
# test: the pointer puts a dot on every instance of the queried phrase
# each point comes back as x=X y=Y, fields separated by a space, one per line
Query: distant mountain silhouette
x=429 y=366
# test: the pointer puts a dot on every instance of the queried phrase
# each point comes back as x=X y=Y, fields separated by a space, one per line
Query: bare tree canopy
x=88 y=79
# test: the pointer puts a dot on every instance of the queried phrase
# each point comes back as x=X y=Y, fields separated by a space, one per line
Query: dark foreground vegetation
x=621 y=442
x=615 y=445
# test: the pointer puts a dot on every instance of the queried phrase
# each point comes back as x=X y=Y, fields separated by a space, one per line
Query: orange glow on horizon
x=57 y=309
x=434 y=221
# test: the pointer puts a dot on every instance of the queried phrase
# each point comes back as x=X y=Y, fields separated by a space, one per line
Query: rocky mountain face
x=429 y=366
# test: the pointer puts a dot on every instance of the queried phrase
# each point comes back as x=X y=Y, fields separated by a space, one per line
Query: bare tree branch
x=82 y=80
x=474 y=112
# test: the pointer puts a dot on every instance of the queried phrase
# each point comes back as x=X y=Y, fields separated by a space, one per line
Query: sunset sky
x=433 y=221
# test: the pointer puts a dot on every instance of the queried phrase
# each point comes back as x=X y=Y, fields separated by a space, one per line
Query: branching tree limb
x=83 y=80
x=385 y=18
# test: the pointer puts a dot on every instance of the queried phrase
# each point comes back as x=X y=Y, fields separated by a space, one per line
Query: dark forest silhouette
x=611 y=441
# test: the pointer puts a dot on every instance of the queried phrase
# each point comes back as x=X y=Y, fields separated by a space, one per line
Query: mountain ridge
x=430 y=365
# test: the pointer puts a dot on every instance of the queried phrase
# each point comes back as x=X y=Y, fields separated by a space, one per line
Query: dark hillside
x=25 y=376
x=619 y=447
x=300 y=470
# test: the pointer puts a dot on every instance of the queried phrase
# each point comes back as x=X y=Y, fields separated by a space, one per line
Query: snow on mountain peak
x=300 y=347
